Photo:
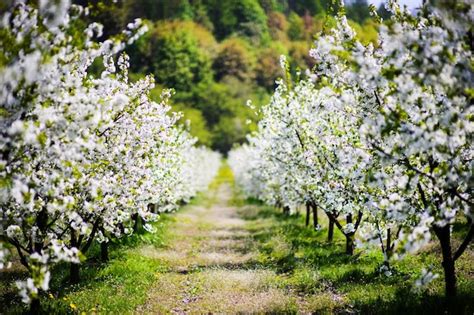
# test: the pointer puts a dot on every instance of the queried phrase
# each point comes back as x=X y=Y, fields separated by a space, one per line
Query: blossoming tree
x=382 y=133
x=82 y=156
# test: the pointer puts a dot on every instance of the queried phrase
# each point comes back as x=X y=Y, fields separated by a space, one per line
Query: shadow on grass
x=287 y=246
x=248 y=265
x=405 y=301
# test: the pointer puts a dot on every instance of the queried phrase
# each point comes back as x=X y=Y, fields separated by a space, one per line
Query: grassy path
x=214 y=265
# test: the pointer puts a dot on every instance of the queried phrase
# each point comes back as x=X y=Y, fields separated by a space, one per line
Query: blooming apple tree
x=381 y=135
x=81 y=155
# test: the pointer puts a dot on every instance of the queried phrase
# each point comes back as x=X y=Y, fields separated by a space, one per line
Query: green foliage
x=223 y=107
x=201 y=14
x=367 y=32
x=7 y=39
x=311 y=6
x=296 y=28
x=227 y=131
x=4 y=5
x=197 y=123
x=358 y=11
x=268 y=69
x=108 y=13
x=300 y=58
x=271 y=5
x=234 y=59
x=277 y=25
x=158 y=9
x=213 y=100
x=245 y=17
x=174 y=56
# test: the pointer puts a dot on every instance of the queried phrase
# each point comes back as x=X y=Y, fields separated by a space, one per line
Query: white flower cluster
x=379 y=135
x=81 y=155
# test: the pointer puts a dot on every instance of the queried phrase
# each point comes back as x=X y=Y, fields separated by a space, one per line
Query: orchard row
x=85 y=155
x=378 y=137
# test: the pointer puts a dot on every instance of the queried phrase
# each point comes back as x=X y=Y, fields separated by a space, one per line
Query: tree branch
x=333 y=219
x=91 y=236
x=359 y=219
x=422 y=195
x=465 y=243
x=299 y=139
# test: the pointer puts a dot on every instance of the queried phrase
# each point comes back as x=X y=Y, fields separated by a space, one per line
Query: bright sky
x=411 y=4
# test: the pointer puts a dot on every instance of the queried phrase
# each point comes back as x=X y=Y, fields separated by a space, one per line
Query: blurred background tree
x=217 y=54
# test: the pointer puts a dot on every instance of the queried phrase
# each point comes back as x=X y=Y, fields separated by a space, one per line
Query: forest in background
x=218 y=54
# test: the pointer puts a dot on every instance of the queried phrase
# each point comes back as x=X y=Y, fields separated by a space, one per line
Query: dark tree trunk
x=136 y=222
x=350 y=244
x=151 y=207
x=74 y=270
x=315 y=216
x=388 y=249
x=286 y=210
x=35 y=306
x=330 y=230
x=74 y=274
x=307 y=213
x=444 y=236
x=42 y=223
x=104 y=251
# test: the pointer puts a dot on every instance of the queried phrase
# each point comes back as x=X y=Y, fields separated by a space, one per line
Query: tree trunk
x=444 y=236
x=307 y=213
x=122 y=228
x=74 y=273
x=330 y=231
x=104 y=251
x=349 y=244
x=136 y=221
x=388 y=249
x=151 y=207
x=41 y=222
x=74 y=270
x=315 y=216
x=35 y=306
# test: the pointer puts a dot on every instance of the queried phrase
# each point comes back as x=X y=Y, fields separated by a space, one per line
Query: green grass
x=346 y=284
x=118 y=286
